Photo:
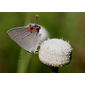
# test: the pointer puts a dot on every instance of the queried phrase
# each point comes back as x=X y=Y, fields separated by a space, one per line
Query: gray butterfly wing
x=28 y=41
x=17 y=31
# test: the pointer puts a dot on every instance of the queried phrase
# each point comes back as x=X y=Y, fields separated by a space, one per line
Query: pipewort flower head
x=55 y=52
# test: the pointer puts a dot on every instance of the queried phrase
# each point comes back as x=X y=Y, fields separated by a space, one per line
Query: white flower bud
x=55 y=52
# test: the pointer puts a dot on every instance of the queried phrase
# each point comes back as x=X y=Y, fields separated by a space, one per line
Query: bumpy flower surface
x=55 y=52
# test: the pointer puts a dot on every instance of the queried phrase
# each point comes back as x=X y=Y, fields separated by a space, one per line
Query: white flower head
x=55 y=52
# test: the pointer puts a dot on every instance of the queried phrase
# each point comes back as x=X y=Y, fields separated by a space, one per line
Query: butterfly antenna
x=37 y=19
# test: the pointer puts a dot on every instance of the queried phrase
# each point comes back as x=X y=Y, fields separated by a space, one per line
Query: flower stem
x=55 y=69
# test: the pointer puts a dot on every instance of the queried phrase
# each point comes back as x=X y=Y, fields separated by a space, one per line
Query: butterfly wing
x=28 y=41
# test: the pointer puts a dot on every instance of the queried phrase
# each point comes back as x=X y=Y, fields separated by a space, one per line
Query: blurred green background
x=67 y=25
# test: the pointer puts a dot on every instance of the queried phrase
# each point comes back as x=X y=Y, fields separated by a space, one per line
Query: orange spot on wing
x=32 y=30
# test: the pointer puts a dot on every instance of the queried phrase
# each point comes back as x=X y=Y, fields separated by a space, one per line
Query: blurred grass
x=9 y=51
x=67 y=25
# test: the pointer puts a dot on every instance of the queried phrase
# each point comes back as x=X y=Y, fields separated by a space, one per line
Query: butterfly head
x=34 y=28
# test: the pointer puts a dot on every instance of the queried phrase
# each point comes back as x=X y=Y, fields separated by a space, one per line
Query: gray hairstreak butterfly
x=28 y=37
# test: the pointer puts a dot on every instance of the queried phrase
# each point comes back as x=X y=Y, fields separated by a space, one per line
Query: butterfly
x=28 y=37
